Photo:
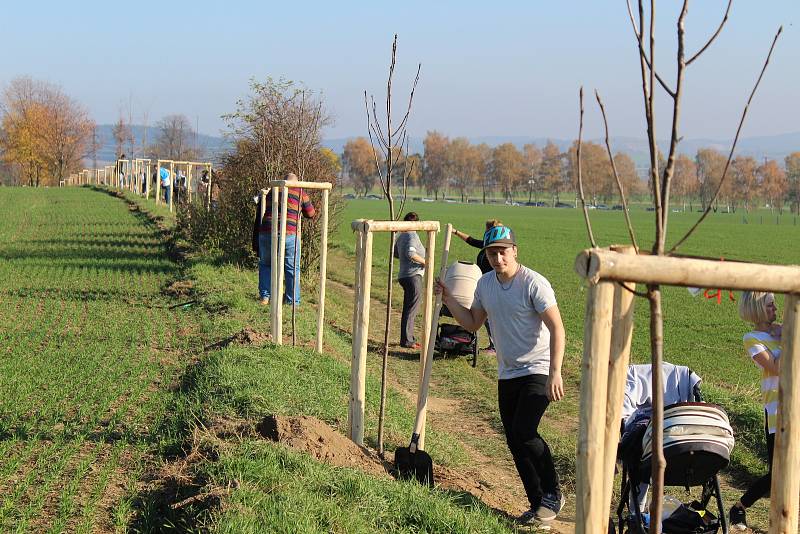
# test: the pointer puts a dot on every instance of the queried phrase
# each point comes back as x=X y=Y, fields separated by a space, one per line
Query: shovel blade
x=418 y=465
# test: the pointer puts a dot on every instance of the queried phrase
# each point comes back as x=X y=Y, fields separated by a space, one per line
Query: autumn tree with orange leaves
x=359 y=161
x=45 y=133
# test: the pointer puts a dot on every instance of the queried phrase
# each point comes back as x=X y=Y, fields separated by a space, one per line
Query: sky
x=508 y=68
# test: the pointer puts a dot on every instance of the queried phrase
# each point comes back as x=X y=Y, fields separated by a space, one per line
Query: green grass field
x=86 y=340
x=104 y=387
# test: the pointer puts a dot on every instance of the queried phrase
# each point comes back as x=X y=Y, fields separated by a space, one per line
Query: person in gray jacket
x=409 y=250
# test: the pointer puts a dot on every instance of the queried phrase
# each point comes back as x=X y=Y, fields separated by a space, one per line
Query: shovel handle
x=422 y=402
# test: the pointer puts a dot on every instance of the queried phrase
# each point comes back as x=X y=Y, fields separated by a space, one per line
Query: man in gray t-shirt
x=409 y=250
x=529 y=337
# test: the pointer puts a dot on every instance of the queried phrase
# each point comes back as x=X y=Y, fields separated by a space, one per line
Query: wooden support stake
x=590 y=514
x=323 y=269
x=621 y=333
x=275 y=292
x=158 y=181
x=208 y=192
x=358 y=369
x=786 y=457
x=298 y=241
x=431 y=315
x=171 y=183
x=278 y=332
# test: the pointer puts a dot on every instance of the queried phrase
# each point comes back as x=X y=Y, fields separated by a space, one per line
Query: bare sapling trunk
x=391 y=141
x=660 y=188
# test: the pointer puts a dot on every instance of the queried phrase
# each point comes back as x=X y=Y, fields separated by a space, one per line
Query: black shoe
x=737 y=518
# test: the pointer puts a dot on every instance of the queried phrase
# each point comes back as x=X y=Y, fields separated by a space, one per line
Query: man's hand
x=440 y=289
x=555 y=387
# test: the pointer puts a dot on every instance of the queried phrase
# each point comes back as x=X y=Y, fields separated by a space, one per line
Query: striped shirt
x=292 y=211
x=756 y=342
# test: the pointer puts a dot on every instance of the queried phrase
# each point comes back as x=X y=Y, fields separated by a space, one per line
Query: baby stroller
x=461 y=278
x=698 y=440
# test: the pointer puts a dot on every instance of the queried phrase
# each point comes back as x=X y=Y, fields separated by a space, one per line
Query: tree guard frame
x=365 y=228
x=608 y=328
x=141 y=165
x=207 y=165
x=158 y=180
x=277 y=253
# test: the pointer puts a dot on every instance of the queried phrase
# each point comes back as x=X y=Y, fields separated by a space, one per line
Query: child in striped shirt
x=763 y=346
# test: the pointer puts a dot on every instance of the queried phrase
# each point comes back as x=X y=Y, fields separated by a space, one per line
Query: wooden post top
x=304 y=185
x=368 y=225
x=602 y=264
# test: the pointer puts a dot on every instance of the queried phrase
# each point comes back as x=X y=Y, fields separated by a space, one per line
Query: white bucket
x=461 y=279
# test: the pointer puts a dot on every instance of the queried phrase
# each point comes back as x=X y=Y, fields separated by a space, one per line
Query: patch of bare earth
x=246 y=336
x=179 y=288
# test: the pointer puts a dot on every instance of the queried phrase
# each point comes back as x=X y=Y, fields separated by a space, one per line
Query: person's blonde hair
x=753 y=306
x=491 y=223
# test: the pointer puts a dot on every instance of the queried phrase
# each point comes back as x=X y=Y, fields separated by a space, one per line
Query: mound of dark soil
x=322 y=442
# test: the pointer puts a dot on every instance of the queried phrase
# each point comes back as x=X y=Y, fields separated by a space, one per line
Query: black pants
x=523 y=401
x=760 y=488
x=412 y=297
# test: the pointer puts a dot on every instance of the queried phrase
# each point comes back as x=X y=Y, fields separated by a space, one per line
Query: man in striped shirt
x=298 y=203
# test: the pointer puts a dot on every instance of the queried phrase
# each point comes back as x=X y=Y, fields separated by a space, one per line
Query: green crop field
x=105 y=386
x=86 y=339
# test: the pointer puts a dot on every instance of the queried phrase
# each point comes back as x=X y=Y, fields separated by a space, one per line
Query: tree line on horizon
x=45 y=135
x=458 y=168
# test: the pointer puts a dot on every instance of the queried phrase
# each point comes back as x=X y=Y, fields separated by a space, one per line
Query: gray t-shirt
x=520 y=337
x=406 y=245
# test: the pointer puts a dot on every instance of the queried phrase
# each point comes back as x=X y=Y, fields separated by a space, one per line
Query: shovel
x=412 y=462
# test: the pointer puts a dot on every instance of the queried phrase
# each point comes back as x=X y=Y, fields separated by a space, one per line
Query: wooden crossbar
x=368 y=225
x=304 y=185
x=597 y=264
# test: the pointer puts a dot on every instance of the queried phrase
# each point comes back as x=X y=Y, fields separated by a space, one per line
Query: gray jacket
x=406 y=245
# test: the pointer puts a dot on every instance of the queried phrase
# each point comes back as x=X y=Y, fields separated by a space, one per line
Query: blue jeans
x=290 y=271
x=167 y=192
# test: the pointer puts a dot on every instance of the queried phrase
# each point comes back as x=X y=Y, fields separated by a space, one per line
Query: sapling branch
x=616 y=174
x=733 y=147
x=580 y=173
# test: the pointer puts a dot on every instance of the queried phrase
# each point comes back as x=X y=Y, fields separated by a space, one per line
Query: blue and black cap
x=499 y=236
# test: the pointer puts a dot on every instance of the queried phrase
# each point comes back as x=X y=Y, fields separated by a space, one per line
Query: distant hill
x=211 y=146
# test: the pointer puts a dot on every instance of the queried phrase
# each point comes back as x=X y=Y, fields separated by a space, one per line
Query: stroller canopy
x=679 y=386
